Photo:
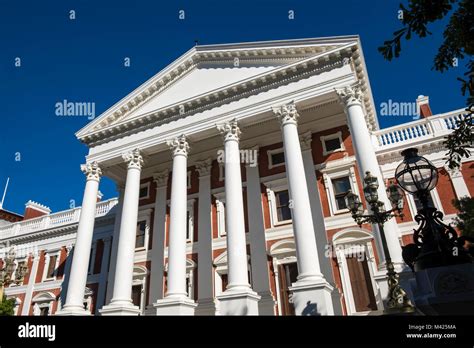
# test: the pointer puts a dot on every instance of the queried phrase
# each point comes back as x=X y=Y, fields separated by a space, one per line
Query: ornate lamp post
x=397 y=298
x=434 y=242
x=6 y=273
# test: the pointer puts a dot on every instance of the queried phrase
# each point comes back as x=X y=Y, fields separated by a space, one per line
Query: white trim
x=220 y=214
x=188 y=179
x=144 y=215
x=190 y=222
x=270 y=159
x=48 y=255
x=139 y=279
x=147 y=185
x=272 y=188
x=328 y=176
x=349 y=242
x=434 y=196
x=337 y=135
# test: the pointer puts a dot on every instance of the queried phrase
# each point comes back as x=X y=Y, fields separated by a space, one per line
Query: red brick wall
x=151 y=192
x=62 y=263
x=317 y=145
x=28 y=272
x=468 y=174
x=263 y=161
x=41 y=265
x=446 y=191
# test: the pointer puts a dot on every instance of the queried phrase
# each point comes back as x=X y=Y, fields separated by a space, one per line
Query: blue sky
x=82 y=60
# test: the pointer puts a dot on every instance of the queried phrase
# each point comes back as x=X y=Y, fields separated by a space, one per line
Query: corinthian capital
x=134 y=159
x=230 y=130
x=161 y=178
x=92 y=171
x=204 y=167
x=287 y=113
x=179 y=145
x=350 y=95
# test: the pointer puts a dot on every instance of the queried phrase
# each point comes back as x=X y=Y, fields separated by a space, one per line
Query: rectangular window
x=51 y=267
x=418 y=203
x=278 y=158
x=332 y=144
x=188 y=227
x=282 y=199
x=341 y=187
x=144 y=191
x=136 y=295
x=140 y=236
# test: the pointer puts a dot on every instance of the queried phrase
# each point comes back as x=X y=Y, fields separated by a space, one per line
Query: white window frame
x=221 y=172
x=144 y=215
x=340 y=173
x=48 y=256
x=434 y=196
x=139 y=279
x=90 y=271
x=273 y=187
x=270 y=160
x=190 y=222
x=17 y=263
x=147 y=185
x=188 y=180
x=220 y=209
x=337 y=135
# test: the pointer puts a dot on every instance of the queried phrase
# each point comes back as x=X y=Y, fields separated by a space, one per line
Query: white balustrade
x=430 y=127
x=66 y=217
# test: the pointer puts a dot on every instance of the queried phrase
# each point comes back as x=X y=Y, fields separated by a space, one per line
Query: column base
x=267 y=303
x=206 y=307
x=73 y=311
x=175 y=306
x=120 y=309
x=240 y=301
x=312 y=297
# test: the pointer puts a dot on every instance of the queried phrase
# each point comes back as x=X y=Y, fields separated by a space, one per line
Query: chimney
x=423 y=106
x=33 y=210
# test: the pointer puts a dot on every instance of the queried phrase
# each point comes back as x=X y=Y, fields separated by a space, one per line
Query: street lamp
x=398 y=300
x=435 y=243
x=6 y=272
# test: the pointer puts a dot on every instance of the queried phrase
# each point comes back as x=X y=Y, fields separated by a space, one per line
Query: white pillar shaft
x=158 y=247
x=122 y=293
x=114 y=249
x=258 y=245
x=306 y=251
x=367 y=161
x=82 y=248
x=103 y=272
x=235 y=223
x=177 y=234
x=205 y=270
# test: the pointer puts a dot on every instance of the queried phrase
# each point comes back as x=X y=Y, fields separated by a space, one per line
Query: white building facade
x=232 y=164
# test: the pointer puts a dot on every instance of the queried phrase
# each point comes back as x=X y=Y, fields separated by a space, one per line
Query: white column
x=311 y=292
x=79 y=268
x=31 y=284
x=351 y=97
x=176 y=300
x=158 y=247
x=459 y=184
x=121 y=303
x=318 y=219
x=238 y=298
x=206 y=305
x=258 y=244
x=103 y=271
x=115 y=240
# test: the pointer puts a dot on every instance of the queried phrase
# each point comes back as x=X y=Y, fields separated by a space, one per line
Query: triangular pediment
x=206 y=73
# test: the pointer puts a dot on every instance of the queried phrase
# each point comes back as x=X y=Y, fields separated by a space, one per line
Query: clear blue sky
x=82 y=60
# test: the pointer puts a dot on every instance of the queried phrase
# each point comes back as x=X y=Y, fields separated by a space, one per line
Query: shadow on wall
x=310 y=309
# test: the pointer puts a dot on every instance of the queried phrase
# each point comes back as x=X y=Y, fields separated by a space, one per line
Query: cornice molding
x=242 y=89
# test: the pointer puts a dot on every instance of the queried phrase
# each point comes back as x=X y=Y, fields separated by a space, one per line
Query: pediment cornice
x=299 y=62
